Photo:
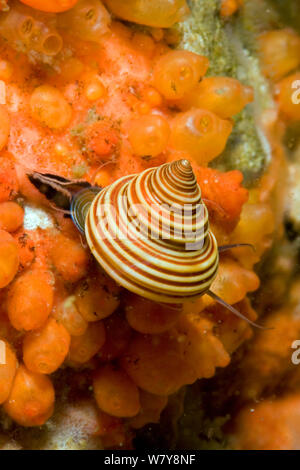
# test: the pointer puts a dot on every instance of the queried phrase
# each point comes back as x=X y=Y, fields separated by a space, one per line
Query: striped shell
x=150 y=233
x=80 y=205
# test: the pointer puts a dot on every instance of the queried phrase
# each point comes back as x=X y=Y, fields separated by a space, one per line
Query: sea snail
x=149 y=232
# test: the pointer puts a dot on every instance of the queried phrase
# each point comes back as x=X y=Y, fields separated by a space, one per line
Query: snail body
x=150 y=233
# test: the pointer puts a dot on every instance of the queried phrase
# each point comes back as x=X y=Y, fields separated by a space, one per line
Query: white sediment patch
x=36 y=217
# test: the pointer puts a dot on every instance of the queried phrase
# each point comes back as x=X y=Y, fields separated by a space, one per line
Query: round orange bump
x=200 y=133
x=9 y=258
x=50 y=108
x=97 y=298
x=279 y=52
x=149 y=135
x=8 y=367
x=45 y=350
x=288 y=97
x=160 y=14
x=68 y=315
x=94 y=88
x=178 y=72
x=115 y=393
x=86 y=346
x=69 y=258
x=31 y=400
x=30 y=300
x=6 y=70
x=223 y=96
x=4 y=126
x=156 y=363
x=150 y=317
x=54 y=6
x=11 y=216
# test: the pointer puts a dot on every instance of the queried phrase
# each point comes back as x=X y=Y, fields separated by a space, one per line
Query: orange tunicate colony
x=268 y=418
x=106 y=106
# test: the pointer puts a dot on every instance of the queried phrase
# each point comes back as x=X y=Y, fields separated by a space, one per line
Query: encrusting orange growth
x=223 y=96
x=233 y=281
x=287 y=93
x=231 y=330
x=144 y=43
x=149 y=135
x=8 y=368
x=222 y=192
x=50 y=108
x=115 y=100
x=102 y=178
x=6 y=70
x=117 y=336
x=178 y=72
x=26 y=248
x=74 y=266
x=9 y=258
x=68 y=315
x=256 y=225
x=151 y=408
x=86 y=346
x=94 y=88
x=54 y=6
x=31 y=400
x=162 y=14
x=150 y=317
x=200 y=133
x=102 y=139
x=4 y=126
x=152 y=97
x=279 y=51
x=111 y=430
x=97 y=298
x=200 y=341
x=30 y=300
x=45 y=350
x=89 y=20
x=156 y=363
x=229 y=7
x=270 y=424
x=232 y=284
x=161 y=364
x=8 y=178
x=11 y=216
x=115 y=393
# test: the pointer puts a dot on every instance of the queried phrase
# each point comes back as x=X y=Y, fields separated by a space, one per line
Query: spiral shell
x=80 y=206
x=150 y=233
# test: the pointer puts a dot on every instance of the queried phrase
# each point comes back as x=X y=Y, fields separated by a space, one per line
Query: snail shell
x=150 y=233
x=80 y=206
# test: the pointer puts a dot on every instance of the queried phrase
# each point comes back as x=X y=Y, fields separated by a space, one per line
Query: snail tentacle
x=235 y=245
x=57 y=189
x=234 y=310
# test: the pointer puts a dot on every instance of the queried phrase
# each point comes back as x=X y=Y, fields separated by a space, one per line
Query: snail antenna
x=235 y=311
x=235 y=245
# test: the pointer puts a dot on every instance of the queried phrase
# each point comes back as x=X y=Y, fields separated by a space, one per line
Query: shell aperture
x=80 y=206
x=150 y=233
